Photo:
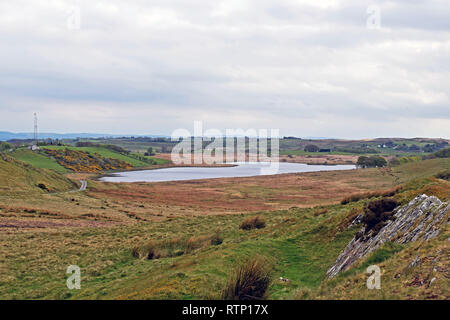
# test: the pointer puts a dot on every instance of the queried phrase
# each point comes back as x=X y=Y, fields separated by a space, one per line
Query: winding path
x=82 y=188
x=83 y=185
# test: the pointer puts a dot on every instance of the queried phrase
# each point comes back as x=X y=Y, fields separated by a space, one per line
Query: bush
x=444 y=175
x=444 y=153
x=371 y=162
x=81 y=161
x=311 y=148
x=377 y=212
x=253 y=223
x=216 y=239
x=250 y=281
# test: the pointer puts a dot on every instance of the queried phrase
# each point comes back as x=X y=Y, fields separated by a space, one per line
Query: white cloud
x=311 y=68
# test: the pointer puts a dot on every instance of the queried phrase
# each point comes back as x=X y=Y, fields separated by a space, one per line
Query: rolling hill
x=19 y=178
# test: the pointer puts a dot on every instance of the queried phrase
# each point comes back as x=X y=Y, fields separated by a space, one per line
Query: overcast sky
x=322 y=68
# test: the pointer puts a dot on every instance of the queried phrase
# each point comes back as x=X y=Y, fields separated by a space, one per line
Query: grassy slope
x=303 y=252
x=19 y=178
x=302 y=244
x=37 y=160
x=397 y=277
x=106 y=153
x=394 y=259
x=420 y=169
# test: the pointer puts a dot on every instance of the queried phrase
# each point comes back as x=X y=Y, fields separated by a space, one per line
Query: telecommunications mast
x=35 y=129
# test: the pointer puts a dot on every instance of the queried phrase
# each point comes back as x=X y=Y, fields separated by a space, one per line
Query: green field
x=107 y=153
x=37 y=160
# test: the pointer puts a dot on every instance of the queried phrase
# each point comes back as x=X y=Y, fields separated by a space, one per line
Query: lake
x=241 y=169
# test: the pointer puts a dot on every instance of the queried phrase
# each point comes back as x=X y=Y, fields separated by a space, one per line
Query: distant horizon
x=97 y=135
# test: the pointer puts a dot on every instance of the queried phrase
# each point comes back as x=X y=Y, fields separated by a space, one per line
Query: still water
x=241 y=169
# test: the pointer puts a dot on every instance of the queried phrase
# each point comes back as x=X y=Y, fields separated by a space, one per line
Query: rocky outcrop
x=419 y=219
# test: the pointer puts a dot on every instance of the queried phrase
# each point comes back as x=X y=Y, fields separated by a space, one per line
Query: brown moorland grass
x=304 y=244
x=33 y=263
x=371 y=194
x=156 y=249
x=131 y=203
x=249 y=194
x=250 y=281
x=260 y=193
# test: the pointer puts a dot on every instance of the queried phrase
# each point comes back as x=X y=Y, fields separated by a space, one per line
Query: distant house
x=33 y=147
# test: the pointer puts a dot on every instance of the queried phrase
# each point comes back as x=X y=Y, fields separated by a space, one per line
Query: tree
x=379 y=161
x=445 y=153
x=362 y=161
x=150 y=152
x=389 y=144
x=371 y=162
x=414 y=147
x=5 y=146
x=429 y=148
x=312 y=148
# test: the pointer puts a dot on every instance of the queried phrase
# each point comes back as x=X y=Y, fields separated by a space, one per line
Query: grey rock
x=357 y=220
x=416 y=262
x=421 y=218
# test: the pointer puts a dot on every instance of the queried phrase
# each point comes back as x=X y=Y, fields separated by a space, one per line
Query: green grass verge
x=37 y=160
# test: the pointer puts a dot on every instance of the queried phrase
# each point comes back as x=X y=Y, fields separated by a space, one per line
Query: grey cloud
x=253 y=63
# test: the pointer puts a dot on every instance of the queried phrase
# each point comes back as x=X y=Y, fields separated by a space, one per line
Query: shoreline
x=112 y=175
